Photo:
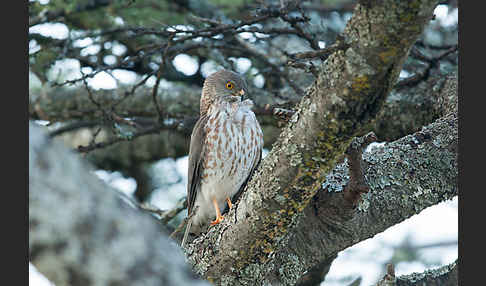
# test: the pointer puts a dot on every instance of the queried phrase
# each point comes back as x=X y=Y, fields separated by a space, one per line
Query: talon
x=217 y=220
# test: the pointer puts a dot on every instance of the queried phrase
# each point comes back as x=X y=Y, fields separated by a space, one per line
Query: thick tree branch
x=446 y=104
x=180 y=103
x=403 y=177
x=82 y=233
x=350 y=90
x=61 y=104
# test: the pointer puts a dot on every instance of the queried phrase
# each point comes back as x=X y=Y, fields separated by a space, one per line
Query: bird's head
x=222 y=85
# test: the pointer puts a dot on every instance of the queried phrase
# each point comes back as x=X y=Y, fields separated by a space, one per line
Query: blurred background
x=82 y=53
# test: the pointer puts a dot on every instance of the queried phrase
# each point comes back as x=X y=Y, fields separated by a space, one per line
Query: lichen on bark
x=348 y=93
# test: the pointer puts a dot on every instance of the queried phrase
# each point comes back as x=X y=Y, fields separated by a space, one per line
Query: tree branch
x=350 y=90
x=324 y=216
x=444 y=276
x=403 y=180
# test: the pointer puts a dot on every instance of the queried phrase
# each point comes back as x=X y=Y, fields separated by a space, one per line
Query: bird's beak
x=242 y=93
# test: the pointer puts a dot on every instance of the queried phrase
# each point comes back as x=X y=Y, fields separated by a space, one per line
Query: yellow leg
x=229 y=202
x=219 y=217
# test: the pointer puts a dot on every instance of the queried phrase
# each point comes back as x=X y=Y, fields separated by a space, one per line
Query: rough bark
x=442 y=100
x=349 y=91
x=82 y=233
x=328 y=209
x=407 y=110
x=404 y=176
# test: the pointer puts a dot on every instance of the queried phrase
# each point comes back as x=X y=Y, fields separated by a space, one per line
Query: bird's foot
x=217 y=220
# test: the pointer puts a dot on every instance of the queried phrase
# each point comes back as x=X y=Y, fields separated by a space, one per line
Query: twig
x=159 y=76
x=281 y=113
x=72 y=127
x=152 y=130
x=165 y=215
x=424 y=75
x=180 y=227
x=170 y=214
x=320 y=52
x=306 y=67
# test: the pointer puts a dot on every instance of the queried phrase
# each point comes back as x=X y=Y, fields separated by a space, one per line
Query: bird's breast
x=233 y=142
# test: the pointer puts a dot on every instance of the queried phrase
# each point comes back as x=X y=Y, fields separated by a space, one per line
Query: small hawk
x=226 y=147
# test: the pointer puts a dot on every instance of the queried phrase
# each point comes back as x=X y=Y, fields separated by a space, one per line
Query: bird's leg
x=229 y=202
x=219 y=217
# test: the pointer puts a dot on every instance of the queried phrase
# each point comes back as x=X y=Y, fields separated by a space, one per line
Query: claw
x=217 y=220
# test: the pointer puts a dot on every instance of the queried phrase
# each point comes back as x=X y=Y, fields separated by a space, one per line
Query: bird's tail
x=186 y=233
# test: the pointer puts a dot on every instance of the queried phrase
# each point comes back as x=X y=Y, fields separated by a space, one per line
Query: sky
x=366 y=259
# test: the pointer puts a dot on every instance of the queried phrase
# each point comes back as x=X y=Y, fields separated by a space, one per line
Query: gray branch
x=63 y=104
x=82 y=233
x=250 y=246
x=443 y=276
x=405 y=177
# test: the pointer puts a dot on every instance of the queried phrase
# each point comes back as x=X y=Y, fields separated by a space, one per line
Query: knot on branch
x=356 y=185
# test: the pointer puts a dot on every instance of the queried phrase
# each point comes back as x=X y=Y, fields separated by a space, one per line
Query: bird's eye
x=229 y=85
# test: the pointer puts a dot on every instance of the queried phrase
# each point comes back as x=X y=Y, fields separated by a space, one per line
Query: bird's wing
x=196 y=150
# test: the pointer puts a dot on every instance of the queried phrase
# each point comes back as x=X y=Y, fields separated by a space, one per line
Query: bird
x=225 y=149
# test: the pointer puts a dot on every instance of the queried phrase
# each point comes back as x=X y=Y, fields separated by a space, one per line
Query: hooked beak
x=238 y=95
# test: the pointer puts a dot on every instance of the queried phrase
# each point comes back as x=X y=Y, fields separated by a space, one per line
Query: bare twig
x=431 y=64
x=155 y=129
x=320 y=52
x=165 y=215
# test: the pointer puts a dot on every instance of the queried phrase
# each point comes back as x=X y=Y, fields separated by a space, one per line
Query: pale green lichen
x=430 y=274
x=291 y=270
x=364 y=203
x=356 y=64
